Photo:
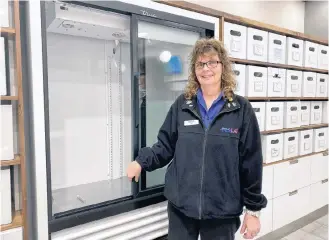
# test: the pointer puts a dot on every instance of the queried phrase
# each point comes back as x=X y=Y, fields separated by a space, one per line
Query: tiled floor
x=317 y=230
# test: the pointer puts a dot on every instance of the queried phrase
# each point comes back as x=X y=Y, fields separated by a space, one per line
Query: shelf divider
x=5 y=31
x=15 y=161
x=267 y=64
x=287 y=98
x=17 y=222
x=294 y=158
x=295 y=129
x=10 y=98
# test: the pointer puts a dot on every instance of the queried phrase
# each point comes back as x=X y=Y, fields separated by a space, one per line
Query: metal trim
x=103 y=212
x=46 y=104
x=124 y=8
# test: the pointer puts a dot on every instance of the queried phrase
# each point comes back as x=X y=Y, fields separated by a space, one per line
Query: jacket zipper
x=202 y=171
x=204 y=152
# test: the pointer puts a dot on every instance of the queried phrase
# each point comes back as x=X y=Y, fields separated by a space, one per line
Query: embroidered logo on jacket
x=230 y=130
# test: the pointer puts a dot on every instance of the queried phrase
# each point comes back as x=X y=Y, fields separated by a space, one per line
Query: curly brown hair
x=206 y=47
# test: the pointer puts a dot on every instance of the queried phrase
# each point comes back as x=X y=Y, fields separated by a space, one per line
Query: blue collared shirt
x=209 y=115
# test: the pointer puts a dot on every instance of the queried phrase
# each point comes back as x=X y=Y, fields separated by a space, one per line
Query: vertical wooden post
x=221 y=28
x=21 y=132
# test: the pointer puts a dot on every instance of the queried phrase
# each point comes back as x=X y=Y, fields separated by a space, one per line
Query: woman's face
x=210 y=73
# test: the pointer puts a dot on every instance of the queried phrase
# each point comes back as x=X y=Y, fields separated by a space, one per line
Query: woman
x=212 y=140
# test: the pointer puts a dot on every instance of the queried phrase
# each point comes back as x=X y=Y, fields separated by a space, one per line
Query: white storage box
x=259 y=108
x=320 y=139
x=319 y=167
x=305 y=142
x=4 y=14
x=290 y=207
x=323 y=57
x=290 y=144
x=267 y=186
x=286 y=176
x=235 y=40
x=325 y=112
x=5 y=196
x=256 y=83
x=305 y=113
x=272 y=146
x=266 y=219
x=291 y=114
x=276 y=48
x=240 y=74
x=12 y=234
x=7 y=133
x=309 y=84
x=257 y=44
x=294 y=83
x=276 y=82
x=310 y=54
x=321 y=85
x=274 y=115
x=17 y=187
x=3 y=76
x=319 y=194
x=316 y=112
x=294 y=51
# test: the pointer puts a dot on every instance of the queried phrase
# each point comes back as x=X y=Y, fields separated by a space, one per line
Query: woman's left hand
x=250 y=227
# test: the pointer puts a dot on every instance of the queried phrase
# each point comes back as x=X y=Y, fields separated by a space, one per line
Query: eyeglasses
x=210 y=64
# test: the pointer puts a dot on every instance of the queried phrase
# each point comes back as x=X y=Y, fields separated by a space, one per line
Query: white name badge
x=191 y=122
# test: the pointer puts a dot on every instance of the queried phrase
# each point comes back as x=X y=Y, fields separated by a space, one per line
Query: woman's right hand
x=134 y=170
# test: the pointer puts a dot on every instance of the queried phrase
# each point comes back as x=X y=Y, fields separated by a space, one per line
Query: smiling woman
x=213 y=51
x=211 y=139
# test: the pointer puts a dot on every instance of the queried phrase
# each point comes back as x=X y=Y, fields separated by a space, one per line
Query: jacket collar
x=230 y=104
x=190 y=104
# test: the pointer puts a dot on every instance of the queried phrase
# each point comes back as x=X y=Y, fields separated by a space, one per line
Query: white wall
x=285 y=14
x=316 y=14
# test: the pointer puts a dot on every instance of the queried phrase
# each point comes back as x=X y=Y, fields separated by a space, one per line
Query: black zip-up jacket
x=214 y=172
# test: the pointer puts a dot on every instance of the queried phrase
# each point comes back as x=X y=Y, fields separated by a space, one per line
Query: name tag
x=191 y=122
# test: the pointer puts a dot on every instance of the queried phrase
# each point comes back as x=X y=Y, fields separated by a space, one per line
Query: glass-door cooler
x=111 y=75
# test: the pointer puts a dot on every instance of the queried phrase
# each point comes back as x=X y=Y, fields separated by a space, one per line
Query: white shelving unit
x=12 y=141
x=295 y=139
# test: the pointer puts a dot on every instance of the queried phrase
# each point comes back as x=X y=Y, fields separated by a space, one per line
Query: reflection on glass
x=164 y=66
x=89 y=84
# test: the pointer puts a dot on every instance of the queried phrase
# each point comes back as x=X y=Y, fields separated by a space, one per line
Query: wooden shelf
x=287 y=98
x=267 y=64
x=15 y=161
x=295 y=158
x=5 y=31
x=241 y=20
x=17 y=222
x=11 y=98
x=272 y=28
x=295 y=129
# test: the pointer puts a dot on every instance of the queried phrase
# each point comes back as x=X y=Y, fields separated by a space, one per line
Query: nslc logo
x=230 y=130
x=145 y=13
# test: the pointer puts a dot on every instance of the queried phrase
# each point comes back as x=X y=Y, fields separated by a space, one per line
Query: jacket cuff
x=255 y=207
x=141 y=162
